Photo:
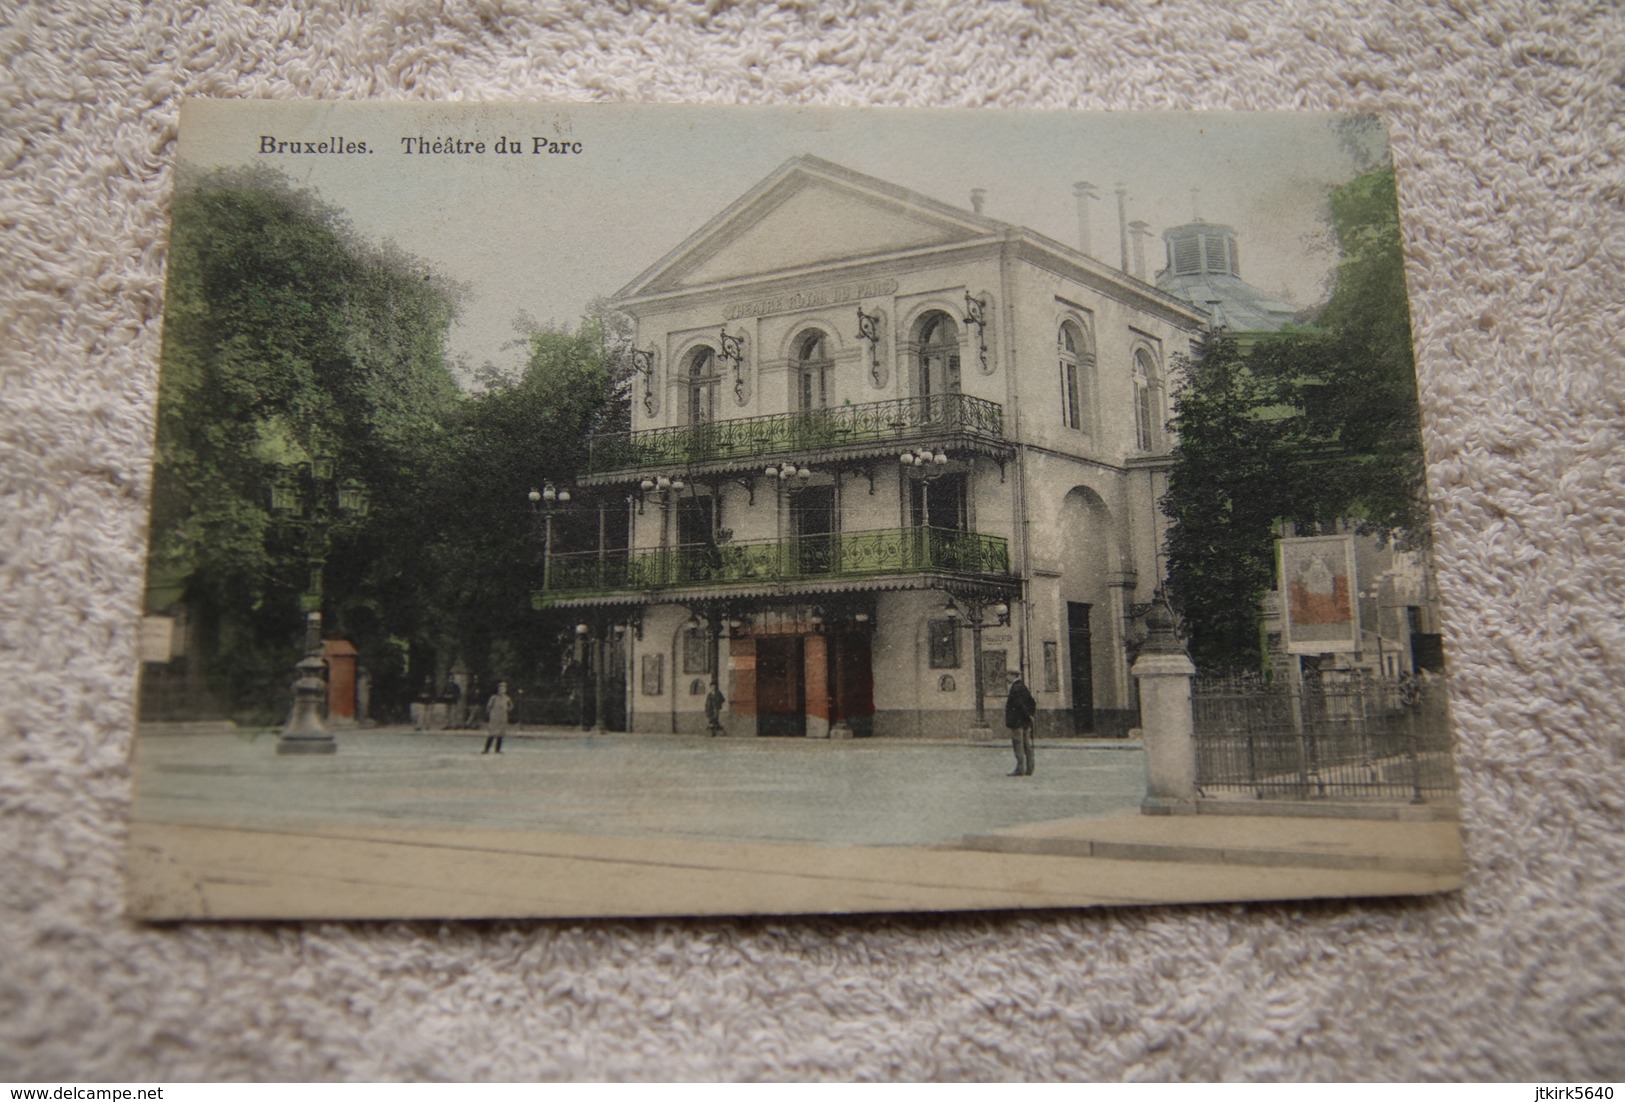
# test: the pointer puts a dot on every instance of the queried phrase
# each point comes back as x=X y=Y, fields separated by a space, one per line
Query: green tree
x=481 y=548
x=286 y=338
x=1315 y=427
x=1234 y=472
x=1364 y=408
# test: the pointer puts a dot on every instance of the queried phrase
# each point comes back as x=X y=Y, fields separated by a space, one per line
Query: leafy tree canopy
x=287 y=338
x=1312 y=427
x=482 y=551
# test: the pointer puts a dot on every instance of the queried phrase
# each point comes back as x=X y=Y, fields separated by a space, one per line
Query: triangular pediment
x=807 y=213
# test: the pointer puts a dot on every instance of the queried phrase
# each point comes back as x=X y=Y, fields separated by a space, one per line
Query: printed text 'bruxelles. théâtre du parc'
x=423 y=146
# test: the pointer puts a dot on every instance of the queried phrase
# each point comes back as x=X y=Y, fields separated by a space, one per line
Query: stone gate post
x=1166 y=721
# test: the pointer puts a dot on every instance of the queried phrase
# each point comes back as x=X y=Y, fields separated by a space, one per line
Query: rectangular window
x=944 y=644
x=814 y=393
x=696 y=651
x=1052 y=666
x=1069 y=395
x=1143 y=418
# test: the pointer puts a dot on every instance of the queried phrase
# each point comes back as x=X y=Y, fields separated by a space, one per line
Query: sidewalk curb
x=1154 y=851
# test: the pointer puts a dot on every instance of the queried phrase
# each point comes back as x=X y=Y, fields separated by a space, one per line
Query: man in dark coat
x=1019 y=709
x=714 y=701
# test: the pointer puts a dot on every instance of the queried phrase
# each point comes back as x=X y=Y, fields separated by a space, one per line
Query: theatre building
x=884 y=449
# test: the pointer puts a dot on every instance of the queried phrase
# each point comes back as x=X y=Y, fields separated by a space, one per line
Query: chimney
x=1122 y=227
x=1139 y=231
x=1083 y=191
x=978 y=197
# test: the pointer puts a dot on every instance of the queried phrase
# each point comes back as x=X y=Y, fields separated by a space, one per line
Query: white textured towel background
x=1506 y=124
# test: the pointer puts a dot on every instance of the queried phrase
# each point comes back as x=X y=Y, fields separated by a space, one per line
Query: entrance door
x=781 y=698
x=812 y=514
x=939 y=363
x=697 y=558
x=1081 y=646
x=937 y=509
x=854 y=693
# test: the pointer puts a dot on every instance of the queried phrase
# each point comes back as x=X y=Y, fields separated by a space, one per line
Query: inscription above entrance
x=803 y=300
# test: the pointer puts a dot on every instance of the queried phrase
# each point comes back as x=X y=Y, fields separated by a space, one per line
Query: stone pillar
x=1166 y=721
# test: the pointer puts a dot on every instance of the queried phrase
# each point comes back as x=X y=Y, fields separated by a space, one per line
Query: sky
x=545 y=233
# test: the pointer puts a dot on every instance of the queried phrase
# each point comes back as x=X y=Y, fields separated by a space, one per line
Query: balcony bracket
x=976 y=314
x=869 y=330
x=748 y=485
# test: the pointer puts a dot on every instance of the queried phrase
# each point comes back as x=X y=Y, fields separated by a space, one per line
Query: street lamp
x=544 y=501
x=978 y=614
x=309 y=499
x=666 y=485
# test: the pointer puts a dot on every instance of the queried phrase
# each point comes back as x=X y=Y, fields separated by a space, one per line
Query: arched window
x=703 y=379
x=1074 y=360
x=939 y=355
x=812 y=370
x=1148 y=415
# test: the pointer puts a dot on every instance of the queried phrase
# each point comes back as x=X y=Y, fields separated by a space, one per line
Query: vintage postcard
x=601 y=510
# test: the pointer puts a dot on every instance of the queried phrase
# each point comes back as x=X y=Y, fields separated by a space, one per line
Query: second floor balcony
x=748 y=440
x=772 y=562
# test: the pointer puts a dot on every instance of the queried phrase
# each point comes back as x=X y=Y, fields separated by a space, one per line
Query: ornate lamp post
x=310 y=498
x=545 y=501
x=977 y=613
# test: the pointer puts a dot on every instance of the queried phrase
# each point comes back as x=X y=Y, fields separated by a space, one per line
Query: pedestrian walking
x=496 y=717
x=1019 y=709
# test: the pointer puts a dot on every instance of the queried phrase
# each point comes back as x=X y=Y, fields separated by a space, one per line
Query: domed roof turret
x=1204 y=269
x=1202 y=248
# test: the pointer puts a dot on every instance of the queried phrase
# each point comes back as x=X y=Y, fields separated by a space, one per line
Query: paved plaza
x=849 y=793
x=402 y=824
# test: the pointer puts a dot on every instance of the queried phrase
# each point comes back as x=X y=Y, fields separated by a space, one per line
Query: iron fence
x=1332 y=737
x=794 y=433
x=845 y=554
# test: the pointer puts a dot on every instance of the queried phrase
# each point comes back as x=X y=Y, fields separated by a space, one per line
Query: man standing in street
x=496 y=717
x=1019 y=709
x=714 y=701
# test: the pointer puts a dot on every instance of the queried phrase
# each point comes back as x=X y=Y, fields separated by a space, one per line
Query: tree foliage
x=286 y=338
x=483 y=552
x=1315 y=427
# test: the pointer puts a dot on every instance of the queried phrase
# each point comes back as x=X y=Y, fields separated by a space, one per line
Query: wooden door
x=781 y=704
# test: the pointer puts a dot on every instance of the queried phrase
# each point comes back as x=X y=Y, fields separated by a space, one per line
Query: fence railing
x=1346 y=737
x=794 y=433
x=845 y=554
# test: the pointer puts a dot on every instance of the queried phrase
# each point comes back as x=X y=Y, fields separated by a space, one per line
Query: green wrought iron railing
x=848 y=554
x=795 y=433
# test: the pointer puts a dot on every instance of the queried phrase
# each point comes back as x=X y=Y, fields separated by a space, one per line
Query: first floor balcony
x=872 y=426
x=759 y=564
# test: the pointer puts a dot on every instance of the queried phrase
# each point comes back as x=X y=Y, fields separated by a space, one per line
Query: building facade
x=883 y=450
